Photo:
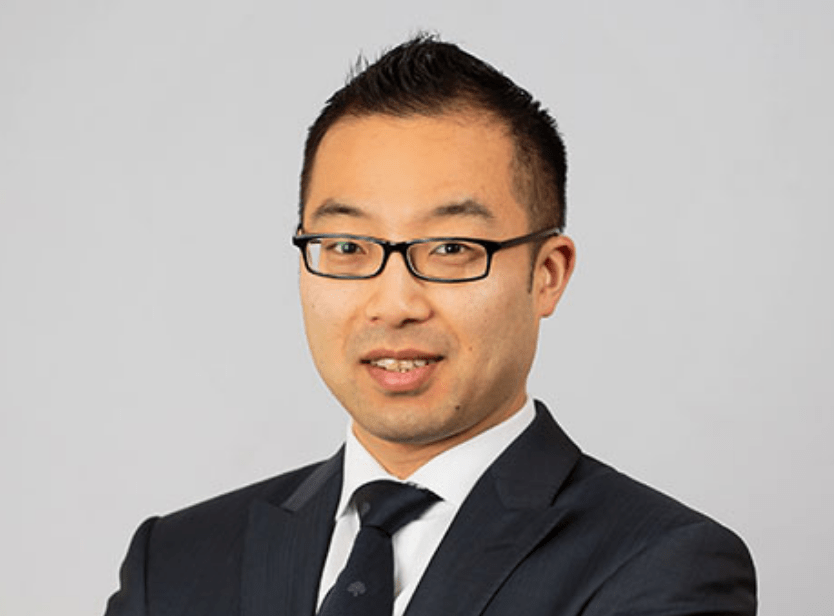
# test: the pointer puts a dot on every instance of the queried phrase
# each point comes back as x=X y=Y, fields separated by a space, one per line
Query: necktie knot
x=389 y=505
x=365 y=587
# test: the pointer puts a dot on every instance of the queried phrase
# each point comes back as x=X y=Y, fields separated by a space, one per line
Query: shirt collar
x=469 y=459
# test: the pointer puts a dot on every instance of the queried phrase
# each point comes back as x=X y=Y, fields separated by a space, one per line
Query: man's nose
x=396 y=296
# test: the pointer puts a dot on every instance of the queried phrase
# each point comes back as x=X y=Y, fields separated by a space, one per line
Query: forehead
x=395 y=170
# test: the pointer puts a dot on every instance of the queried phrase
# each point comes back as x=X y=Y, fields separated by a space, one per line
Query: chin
x=417 y=431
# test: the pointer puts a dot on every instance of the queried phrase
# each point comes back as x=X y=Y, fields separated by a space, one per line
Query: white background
x=151 y=346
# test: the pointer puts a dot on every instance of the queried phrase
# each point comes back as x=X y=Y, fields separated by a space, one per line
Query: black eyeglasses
x=436 y=259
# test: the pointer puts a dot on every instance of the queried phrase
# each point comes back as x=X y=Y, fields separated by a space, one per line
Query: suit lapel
x=505 y=517
x=286 y=544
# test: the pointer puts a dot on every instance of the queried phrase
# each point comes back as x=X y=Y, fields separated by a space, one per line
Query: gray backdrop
x=151 y=350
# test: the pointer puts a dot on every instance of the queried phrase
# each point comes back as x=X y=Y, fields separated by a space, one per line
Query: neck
x=402 y=459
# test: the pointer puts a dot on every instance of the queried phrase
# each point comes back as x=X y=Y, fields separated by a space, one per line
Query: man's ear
x=553 y=268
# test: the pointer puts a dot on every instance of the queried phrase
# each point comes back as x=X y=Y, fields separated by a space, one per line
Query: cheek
x=324 y=313
x=491 y=317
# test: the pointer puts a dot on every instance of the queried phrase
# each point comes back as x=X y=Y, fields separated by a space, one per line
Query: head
x=428 y=77
x=420 y=150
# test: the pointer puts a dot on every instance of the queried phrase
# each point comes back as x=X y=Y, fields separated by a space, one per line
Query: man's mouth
x=407 y=371
x=400 y=365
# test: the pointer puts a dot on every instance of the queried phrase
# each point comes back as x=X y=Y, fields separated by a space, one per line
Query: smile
x=400 y=365
x=408 y=371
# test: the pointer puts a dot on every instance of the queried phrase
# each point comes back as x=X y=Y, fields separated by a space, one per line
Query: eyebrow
x=335 y=208
x=466 y=208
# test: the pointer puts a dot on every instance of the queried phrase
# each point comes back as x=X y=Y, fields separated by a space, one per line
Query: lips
x=401 y=371
x=400 y=365
x=388 y=356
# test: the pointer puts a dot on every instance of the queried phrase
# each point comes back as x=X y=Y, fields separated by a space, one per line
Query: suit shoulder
x=639 y=514
x=196 y=551
x=639 y=545
x=231 y=509
x=647 y=545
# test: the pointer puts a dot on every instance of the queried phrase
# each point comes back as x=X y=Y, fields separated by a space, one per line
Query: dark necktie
x=365 y=587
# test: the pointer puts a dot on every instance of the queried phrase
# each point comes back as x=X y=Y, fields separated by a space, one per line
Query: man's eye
x=450 y=249
x=344 y=247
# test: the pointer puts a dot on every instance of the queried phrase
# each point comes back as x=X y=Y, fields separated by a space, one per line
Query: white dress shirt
x=415 y=543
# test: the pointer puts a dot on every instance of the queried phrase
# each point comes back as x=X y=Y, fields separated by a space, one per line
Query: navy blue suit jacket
x=546 y=530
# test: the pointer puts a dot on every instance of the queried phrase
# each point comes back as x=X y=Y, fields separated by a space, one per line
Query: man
x=432 y=204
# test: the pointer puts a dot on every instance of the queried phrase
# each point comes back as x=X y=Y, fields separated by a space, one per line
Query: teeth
x=400 y=365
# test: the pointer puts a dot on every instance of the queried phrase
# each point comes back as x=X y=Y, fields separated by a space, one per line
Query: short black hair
x=429 y=77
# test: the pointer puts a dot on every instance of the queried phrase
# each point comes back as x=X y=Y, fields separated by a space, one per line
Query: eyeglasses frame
x=300 y=240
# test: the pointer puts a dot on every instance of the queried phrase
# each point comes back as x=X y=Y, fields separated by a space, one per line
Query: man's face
x=407 y=178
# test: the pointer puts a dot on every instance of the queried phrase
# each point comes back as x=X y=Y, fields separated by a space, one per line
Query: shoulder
x=609 y=500
x=600 y=502
x=205 y=542
x=603 y=490
x=645 y=544
x=213 y=531
x=228 y=512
